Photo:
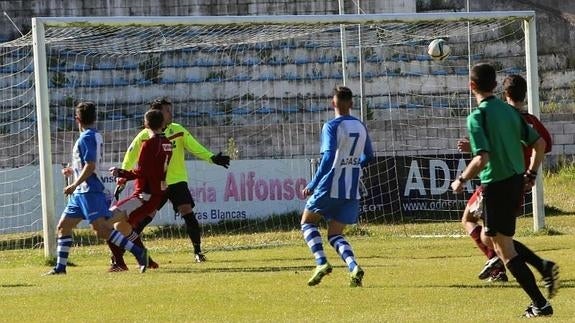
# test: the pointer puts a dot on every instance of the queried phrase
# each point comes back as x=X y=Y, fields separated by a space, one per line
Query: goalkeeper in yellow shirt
x=177 y=192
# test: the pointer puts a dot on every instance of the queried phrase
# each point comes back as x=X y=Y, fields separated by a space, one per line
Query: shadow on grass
x=565 y=284
x=15 y=285
x=552 y=210
x=255 y=269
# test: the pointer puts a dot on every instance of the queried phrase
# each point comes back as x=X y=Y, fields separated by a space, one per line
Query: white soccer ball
x=438 y=49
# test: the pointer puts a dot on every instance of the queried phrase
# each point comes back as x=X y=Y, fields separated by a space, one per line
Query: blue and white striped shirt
x=88 y=148
x=345 y=149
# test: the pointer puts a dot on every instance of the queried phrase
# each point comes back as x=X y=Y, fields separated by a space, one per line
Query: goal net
x=258 y=89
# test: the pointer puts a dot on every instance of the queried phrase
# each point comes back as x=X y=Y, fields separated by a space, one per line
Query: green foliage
x=69 y=101
x=151 y=69
x=553 y=106
x=429 y=5
x=265 y=54
x=216 y=76
x=559 y=189
x=247 y=96
x=227 y=107
x=58 y=79
x=232 y=149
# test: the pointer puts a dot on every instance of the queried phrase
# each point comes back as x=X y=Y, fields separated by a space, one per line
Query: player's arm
x=543 y=132
x=198 y=150
x=328 y=149
x=145 y=159
x=479 y=146
x=123 y=173
x=195 y=148
x=532 y=139
x=367 y=155
x=88 y=168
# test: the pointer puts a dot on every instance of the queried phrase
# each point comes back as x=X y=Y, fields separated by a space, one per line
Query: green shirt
x=497 y=128
x=181 y=140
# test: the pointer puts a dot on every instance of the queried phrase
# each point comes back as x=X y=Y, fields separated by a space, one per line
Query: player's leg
x=494 y=269
x=180 y=196
x=345 y=212
x=120 y=212
x=126 y=214
x=139 y=227
x=137 y=217
x=470 y=220
x=71 y=216
x=118 y=263
x=65 y=228
x=96 y=207
x=312 y=237
x=107 y=232
x=501 y=208
x=547 y=268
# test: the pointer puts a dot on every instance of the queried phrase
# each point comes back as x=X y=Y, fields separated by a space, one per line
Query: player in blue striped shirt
x=334 y=189
x=87 y=199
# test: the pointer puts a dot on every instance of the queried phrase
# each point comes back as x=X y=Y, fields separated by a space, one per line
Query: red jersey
x=541 y=130
x=150 y=172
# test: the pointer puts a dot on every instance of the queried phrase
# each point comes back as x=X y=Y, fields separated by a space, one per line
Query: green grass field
x=408 y=279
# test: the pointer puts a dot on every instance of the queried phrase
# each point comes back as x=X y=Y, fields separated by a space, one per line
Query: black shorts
x=501 y=202
x=178 y=194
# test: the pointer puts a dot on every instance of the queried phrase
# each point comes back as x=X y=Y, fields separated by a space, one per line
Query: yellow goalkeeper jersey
x=181 y=140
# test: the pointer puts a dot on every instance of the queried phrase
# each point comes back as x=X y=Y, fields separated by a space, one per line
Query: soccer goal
x=257 y=88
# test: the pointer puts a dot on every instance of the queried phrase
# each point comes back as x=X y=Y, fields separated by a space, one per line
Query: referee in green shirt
x=497 y=134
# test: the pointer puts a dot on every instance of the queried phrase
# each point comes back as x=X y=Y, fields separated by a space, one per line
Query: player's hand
x=68 y=190
x=529 y=180
x=118 y=190
x=221 y=160
x=120 y=181
x=457 y=186
x=463 y=145
x=67 y=170
x=307 y=192
x=114 y=171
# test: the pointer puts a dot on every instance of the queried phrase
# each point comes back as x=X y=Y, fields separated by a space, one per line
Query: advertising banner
x=417 y=186
x=249 y=189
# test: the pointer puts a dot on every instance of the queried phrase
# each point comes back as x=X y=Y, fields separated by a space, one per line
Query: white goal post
x=421 y=26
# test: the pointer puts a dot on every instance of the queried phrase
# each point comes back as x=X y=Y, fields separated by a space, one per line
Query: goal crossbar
x=284 y=19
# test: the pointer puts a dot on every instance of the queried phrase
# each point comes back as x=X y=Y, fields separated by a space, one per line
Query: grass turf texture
x=408 y=278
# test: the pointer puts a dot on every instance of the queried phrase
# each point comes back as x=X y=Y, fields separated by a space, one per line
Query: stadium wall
x=22 y=10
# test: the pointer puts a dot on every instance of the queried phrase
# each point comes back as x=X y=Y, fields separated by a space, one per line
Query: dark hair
x=158 y=103
x=342 y=93
x=483 y=75
x=154 y=119
x=86 y=112
x=515 y=87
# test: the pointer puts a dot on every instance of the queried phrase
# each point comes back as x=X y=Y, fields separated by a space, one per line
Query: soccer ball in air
x=438 y=49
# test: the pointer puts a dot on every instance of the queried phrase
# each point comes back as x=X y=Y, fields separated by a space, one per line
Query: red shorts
x=138 y=206
x=475 y=202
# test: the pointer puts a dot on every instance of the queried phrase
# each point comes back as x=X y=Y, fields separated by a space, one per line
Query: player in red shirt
x=515 y=89
x=150 y=184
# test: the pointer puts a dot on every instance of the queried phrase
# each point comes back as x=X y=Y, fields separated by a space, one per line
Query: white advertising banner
x=249 y=189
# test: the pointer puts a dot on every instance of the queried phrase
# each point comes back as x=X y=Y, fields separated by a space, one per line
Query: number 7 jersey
x=345 y=148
